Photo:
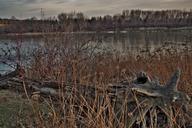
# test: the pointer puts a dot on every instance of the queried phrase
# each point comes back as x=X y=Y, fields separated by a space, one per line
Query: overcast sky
x=29 y=8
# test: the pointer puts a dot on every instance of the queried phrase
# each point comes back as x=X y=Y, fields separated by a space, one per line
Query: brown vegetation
x=77 y=65
x=80 y=65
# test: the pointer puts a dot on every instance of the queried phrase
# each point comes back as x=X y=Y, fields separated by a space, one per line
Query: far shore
x=94 y=32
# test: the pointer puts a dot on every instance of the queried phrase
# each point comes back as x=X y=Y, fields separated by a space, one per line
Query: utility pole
x=42 y=14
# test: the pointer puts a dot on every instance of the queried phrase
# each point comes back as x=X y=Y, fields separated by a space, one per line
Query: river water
x=123 y=42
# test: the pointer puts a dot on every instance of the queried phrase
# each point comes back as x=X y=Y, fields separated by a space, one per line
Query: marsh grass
x=82 y=63
x=65 y=61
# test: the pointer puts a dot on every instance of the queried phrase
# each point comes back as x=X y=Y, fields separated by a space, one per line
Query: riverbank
x=95 y=32
x=138 y=96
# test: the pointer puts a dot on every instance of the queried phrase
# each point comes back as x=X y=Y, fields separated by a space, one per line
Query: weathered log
x=142 y=85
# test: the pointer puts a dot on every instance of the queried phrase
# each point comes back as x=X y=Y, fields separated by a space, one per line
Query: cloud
x=28 y=8
x=27 y=1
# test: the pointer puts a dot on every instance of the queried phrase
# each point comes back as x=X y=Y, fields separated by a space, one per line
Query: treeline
x=28 y=25
x=77 y=21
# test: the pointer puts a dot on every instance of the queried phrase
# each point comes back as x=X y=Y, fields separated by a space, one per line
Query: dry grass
x=76 y=64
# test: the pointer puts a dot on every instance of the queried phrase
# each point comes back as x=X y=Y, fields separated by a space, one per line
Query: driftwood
x=151 y=96
x=51 y=88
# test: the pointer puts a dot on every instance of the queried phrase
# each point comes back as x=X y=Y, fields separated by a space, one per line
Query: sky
x=29 y=8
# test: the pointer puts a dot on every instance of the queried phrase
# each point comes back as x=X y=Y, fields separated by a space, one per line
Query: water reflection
x=131 y=41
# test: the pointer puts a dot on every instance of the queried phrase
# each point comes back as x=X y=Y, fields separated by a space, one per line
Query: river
x=123 y=42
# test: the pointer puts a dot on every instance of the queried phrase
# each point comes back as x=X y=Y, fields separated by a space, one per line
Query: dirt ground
x=13 y=109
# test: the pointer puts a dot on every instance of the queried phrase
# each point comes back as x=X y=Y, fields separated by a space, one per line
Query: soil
x=13 y=109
